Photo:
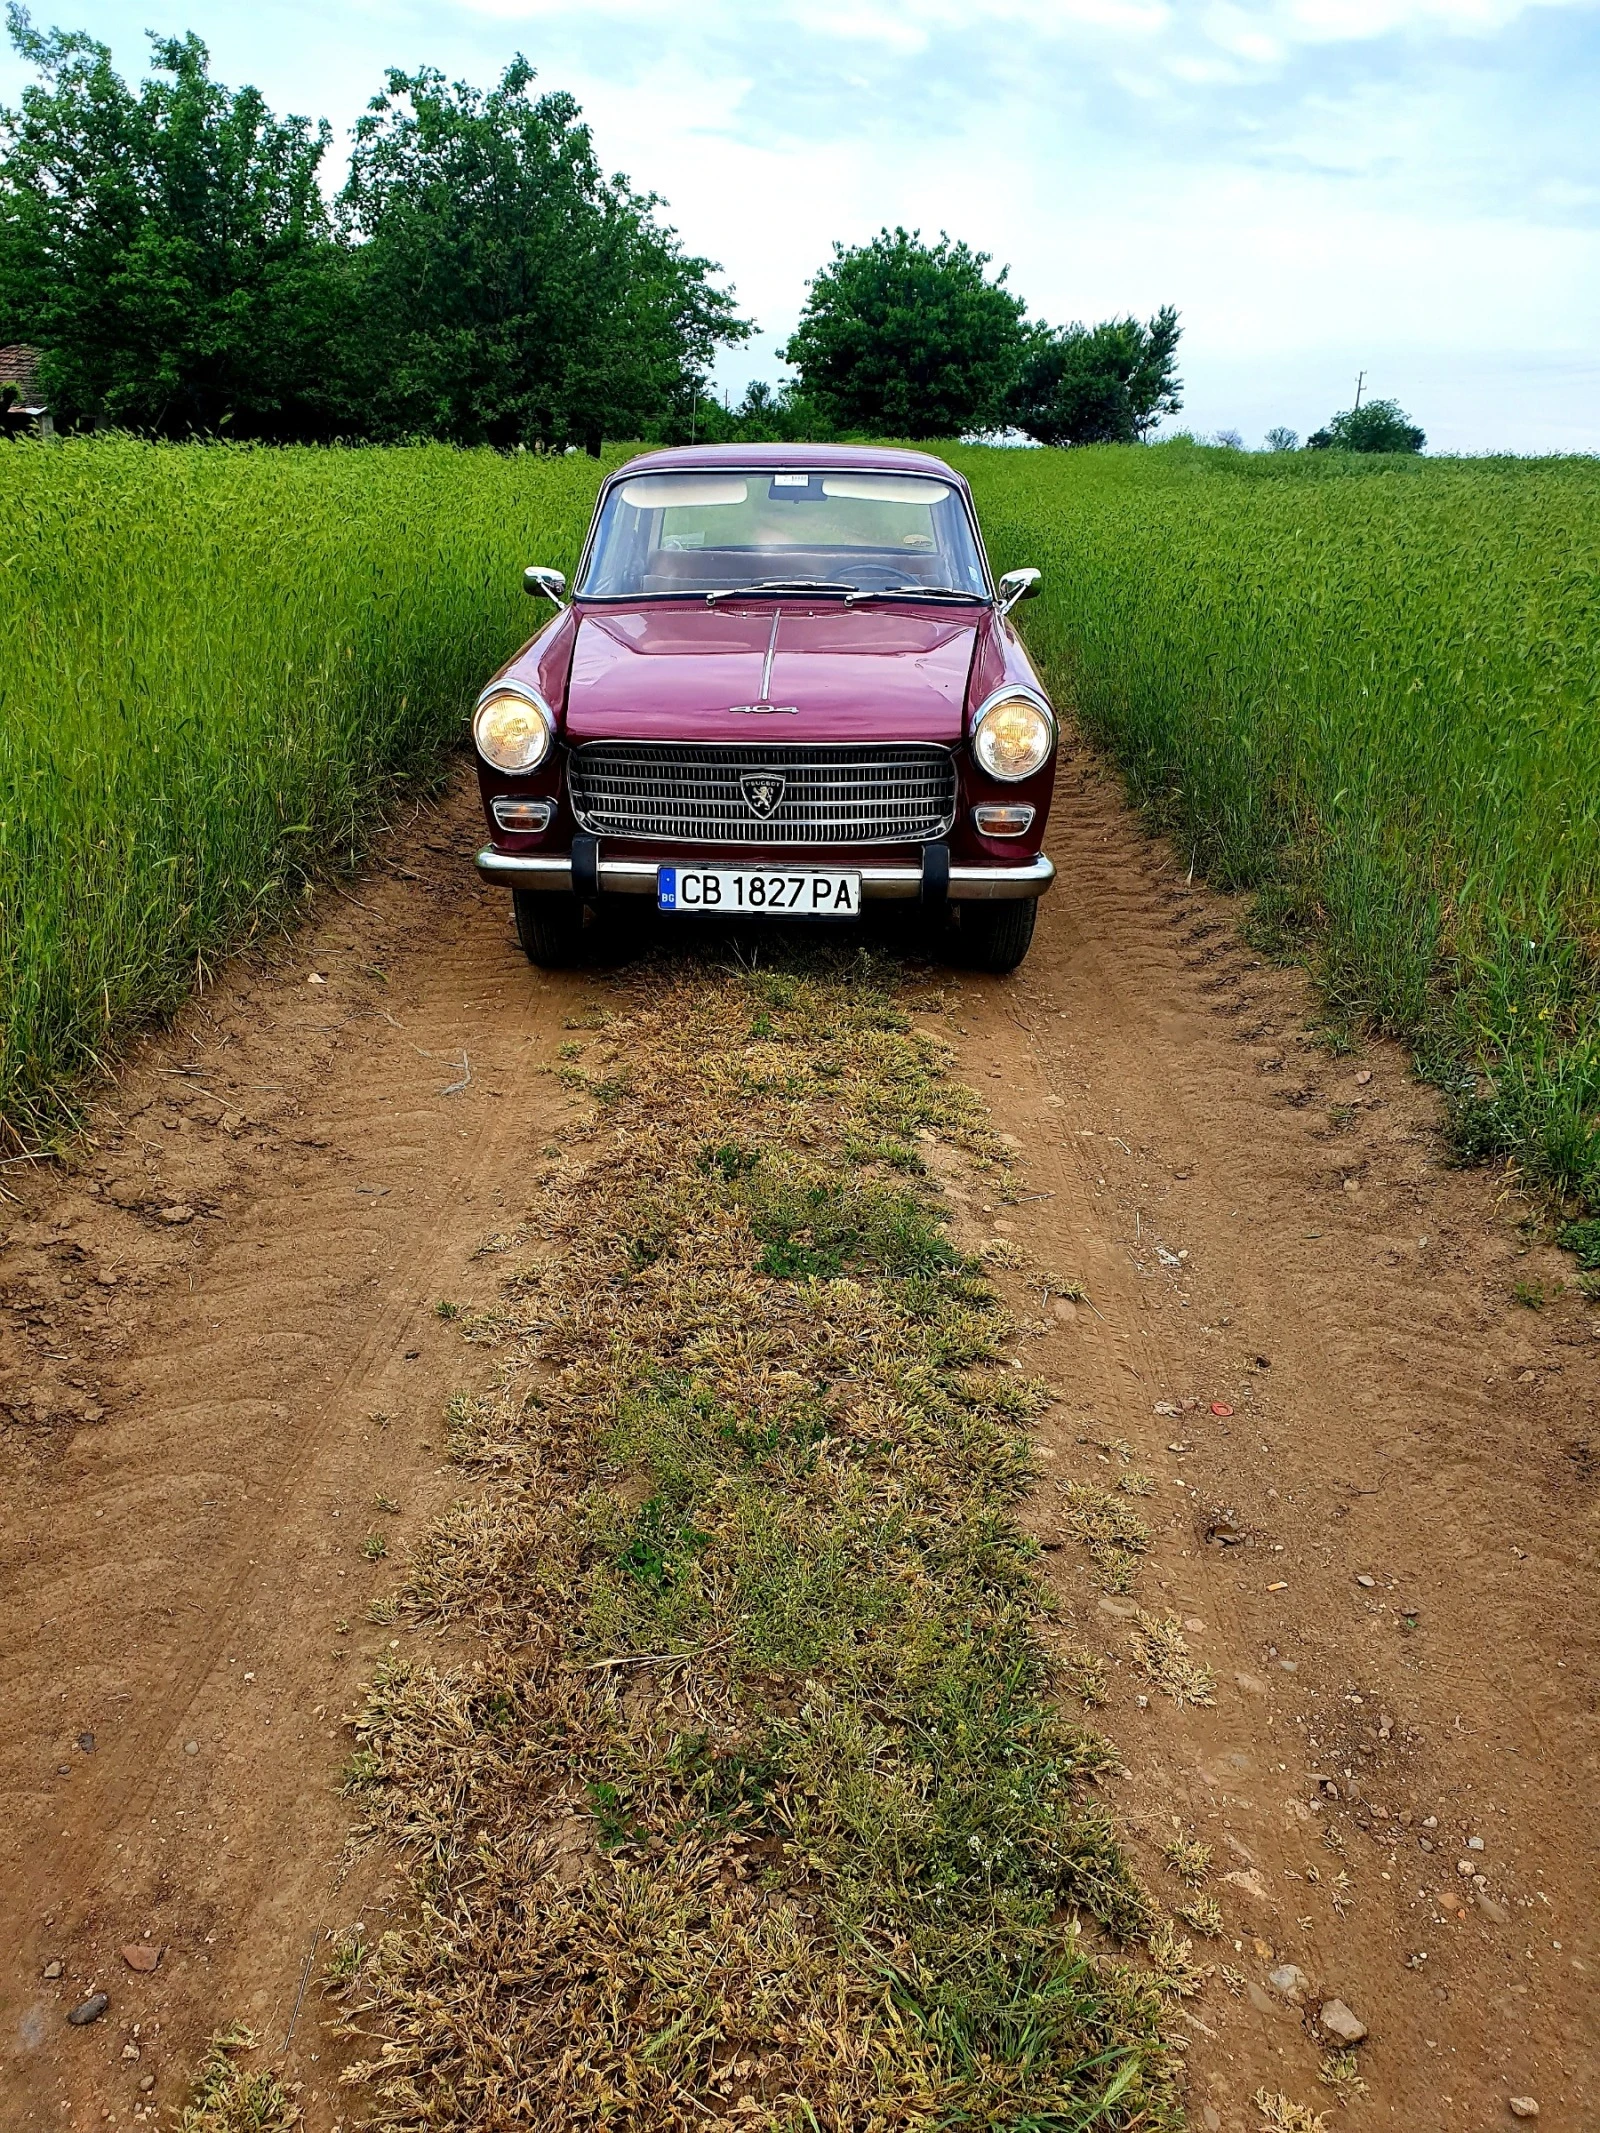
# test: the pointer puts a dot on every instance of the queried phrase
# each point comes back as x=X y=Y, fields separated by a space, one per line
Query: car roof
x=756 y=458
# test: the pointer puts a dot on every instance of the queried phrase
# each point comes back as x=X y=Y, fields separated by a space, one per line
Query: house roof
x=19 y=366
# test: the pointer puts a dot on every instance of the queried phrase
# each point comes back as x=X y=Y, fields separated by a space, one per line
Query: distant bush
x=1380 y=426
x=1105 y=384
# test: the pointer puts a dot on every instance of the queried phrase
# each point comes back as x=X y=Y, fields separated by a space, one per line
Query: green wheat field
x=218 y=667
x=1369 y=690
x=1366 y=690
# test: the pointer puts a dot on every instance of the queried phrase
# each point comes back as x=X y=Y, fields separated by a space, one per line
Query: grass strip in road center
x=757 y=1806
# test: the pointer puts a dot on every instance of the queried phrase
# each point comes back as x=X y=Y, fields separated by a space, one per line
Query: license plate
x=769 y=892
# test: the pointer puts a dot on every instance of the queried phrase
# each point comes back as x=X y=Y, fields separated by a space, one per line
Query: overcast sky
x=1405 y=187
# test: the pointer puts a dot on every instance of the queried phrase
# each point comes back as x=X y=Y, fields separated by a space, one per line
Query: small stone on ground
x=1339 y=2022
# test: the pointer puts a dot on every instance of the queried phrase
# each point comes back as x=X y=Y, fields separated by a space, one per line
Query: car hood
x=680 y=673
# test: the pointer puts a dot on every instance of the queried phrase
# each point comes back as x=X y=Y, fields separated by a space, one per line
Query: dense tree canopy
x=512 y=291
x=1380 y=426
x=168 y=251
x=905 y=339
x=1106 y=384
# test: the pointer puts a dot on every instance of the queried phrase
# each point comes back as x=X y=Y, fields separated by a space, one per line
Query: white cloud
x=1347 y=21
x=1202 y=70
x=1264 y=30
x=895 y=29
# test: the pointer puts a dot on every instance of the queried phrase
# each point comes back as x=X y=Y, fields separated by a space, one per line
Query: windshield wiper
x=779 y=585
x=917 y=592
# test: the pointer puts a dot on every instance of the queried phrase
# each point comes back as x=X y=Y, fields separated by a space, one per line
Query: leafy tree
x=510 y=292
x=904 y=339
x=1380 y=426
x=764 y=415
x=1105 y=384
x=168 y=251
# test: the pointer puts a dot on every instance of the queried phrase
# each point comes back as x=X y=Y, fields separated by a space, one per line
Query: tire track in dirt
x=182 y=1566
x=176 y=1570
x=1395 y=1417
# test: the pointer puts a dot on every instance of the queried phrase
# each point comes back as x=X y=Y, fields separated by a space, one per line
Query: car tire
x=995 y=937
x=550 y=928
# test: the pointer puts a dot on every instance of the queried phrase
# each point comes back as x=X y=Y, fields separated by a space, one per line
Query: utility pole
x=1361 y=379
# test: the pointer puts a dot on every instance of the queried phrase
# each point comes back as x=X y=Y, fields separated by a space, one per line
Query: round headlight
x=1013 y=736
x=513 y=731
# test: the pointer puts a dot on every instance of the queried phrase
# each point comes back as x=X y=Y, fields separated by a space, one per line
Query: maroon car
x=785 y=686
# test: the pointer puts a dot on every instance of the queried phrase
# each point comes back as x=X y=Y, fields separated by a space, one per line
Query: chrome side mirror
x=1017 y=585
x=538 y=578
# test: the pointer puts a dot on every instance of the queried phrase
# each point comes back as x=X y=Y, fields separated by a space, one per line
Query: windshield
x=845 y=532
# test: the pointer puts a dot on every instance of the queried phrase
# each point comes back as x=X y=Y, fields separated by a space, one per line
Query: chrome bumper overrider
x=637 y=877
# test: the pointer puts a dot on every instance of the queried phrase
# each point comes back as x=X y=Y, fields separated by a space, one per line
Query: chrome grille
x=682 y=791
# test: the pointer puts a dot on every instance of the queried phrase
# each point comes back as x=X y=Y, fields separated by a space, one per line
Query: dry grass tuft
x=1188 y=1858
x=1084 y=1675
x=1169 y=1954
x=1110 y=1529
x=345 y=1957
x=1204 y=1914
x=755 y=1806
x=1341 y=2072
x=229 y=2099
x=1279 y=2115
x=1161 y=1653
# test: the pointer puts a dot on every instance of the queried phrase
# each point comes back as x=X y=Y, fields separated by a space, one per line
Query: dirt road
x=225 y=1367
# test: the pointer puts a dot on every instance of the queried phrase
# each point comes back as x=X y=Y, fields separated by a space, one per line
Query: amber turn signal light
x=524 y=816
x=1002 y=821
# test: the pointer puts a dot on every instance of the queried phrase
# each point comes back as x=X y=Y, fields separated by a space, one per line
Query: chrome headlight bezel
x=545 y=724
x=1016 y=693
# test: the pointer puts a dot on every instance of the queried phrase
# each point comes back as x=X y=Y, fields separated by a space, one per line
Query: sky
x=1408 y=189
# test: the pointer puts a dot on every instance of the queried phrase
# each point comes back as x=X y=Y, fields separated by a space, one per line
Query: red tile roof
x=19 y=366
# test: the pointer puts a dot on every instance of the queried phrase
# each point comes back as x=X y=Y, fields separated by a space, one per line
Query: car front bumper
x=637 y=877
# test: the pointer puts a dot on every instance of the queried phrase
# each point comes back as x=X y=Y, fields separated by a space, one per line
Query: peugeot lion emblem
x=763 y=789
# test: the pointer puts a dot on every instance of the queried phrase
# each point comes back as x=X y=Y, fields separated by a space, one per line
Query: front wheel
x=550 y=927
x=995 y=937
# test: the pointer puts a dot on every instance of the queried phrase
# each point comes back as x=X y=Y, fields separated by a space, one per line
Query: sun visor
x=677 y=492
x=885 y=488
